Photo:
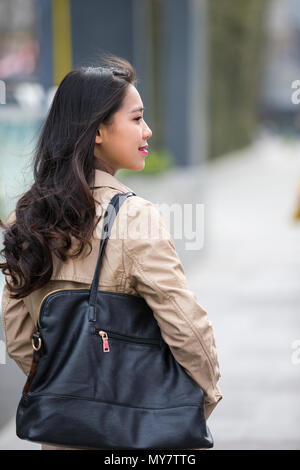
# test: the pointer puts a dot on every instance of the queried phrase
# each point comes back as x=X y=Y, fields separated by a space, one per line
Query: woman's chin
x=140 y=166
x=136 y=166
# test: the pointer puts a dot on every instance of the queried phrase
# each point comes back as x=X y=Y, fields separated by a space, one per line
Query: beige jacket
x=139 y=259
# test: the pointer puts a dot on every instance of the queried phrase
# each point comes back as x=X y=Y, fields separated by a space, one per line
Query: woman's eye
x=138 y=118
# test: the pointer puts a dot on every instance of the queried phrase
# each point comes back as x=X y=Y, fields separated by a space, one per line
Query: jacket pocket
x=106 y=336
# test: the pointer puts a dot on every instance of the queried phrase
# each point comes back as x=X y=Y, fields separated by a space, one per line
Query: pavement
x=248 y=280
x=246 y=276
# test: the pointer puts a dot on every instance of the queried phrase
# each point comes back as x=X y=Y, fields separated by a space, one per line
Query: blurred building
x=281 y=67
x=41 y=40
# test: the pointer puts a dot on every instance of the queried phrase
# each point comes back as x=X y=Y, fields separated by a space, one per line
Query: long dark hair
x=60 y=204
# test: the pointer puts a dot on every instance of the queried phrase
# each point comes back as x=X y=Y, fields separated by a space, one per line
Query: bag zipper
x=39 y=311
x=57 y=290
x=127 y=339
x=49 y=293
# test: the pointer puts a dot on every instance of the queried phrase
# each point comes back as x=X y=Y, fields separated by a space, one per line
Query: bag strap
x=111 y=212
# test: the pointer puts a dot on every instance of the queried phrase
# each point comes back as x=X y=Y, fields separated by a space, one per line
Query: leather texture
x=134 y=395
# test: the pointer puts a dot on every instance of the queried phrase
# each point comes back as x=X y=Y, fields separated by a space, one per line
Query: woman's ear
x=98 y=138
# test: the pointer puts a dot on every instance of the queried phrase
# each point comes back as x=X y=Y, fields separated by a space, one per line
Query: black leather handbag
x=102 y=377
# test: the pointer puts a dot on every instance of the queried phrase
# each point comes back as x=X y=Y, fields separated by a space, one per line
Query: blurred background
x=218 y=79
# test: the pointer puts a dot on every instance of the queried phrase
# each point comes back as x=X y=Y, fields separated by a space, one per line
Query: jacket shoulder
x=137 y=207
x=143 y=220
x=141 y=205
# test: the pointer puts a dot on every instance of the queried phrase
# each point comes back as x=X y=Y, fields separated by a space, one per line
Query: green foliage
x=157 y=161
x=236 y=54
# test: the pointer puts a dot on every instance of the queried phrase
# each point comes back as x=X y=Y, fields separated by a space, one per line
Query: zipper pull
x=104 y=336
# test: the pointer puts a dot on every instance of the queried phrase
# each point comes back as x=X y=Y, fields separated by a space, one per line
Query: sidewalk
x=248 y=281
x=9 y=440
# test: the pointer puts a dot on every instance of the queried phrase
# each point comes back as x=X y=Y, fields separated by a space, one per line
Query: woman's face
x=117 y=146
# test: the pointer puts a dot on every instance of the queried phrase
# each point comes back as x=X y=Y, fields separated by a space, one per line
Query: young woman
x=95 y=127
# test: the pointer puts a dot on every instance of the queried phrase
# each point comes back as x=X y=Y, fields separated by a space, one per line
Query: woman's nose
x=148 y=132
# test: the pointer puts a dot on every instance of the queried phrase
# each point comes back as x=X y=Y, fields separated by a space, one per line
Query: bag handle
x=112 y=210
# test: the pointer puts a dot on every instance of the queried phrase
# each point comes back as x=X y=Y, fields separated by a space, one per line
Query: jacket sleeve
x=151 y=262
x=18 y=327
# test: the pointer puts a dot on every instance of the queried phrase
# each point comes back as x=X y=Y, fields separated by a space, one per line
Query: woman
x=95 y=127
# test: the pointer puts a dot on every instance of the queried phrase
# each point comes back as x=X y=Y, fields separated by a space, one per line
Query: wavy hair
x=59 y=205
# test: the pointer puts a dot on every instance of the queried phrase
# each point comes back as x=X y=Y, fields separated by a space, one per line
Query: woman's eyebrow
x=137 y=109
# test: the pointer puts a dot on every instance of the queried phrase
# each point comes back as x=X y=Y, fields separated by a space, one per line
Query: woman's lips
x=144 y=151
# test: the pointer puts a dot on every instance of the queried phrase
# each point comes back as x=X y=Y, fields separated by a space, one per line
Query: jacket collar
x=102 y=178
